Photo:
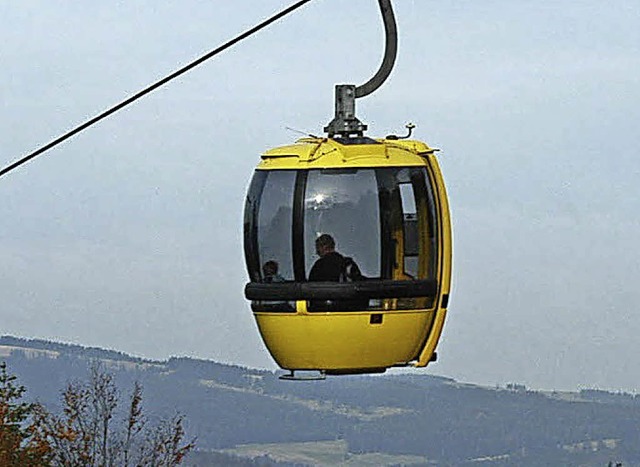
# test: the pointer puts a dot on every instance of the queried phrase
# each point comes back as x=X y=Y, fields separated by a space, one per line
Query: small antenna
x=409 y=126
x=301 y=132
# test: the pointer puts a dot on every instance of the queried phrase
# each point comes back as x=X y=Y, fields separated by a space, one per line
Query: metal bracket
x=320 y=376
x=345 y=123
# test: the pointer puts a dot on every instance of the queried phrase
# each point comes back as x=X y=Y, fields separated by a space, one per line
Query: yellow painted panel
x=341 y=341
x=312 y=153
x=445 y=268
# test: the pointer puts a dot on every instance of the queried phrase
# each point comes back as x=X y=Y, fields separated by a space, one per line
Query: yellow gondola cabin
x=384 y=202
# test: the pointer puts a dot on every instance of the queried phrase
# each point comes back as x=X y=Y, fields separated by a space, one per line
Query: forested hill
x=414 y=419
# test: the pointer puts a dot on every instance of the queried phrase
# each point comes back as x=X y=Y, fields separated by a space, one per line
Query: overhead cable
x=153 y=87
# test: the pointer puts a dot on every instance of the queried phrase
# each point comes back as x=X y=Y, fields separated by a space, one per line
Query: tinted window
x=269 y=220
x=344 y=204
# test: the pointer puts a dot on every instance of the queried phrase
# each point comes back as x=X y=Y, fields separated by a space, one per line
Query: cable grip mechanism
x=345 y=123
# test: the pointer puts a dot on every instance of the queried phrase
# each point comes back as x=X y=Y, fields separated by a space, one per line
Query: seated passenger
x=270 y=272
x=269 y=276
x=333 y=267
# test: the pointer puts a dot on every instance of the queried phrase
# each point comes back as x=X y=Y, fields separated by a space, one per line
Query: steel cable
x=152 y=87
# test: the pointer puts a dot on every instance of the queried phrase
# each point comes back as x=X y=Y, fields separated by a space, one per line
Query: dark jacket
x=333 y=267
x=328 y=268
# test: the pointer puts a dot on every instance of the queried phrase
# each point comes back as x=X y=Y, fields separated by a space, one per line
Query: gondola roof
x=318 y=153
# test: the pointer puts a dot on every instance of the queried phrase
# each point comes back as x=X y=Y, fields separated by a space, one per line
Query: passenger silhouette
x=333 y=267
x=270 y=275
x=330 y=264
x=270 y=272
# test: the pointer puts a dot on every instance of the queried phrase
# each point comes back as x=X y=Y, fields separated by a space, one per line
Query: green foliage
x=15 y=411
x=21 y=442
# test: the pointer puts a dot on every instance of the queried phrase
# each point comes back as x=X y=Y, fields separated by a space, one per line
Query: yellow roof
x=319 y=153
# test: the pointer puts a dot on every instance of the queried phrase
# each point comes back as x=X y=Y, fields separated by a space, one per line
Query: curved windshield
x=343 y=225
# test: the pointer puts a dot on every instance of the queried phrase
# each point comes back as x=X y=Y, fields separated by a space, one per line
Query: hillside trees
x=89 y=430
x=21 y=440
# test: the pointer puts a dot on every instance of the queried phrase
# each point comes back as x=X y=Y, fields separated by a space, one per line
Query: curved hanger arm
x=390 y=52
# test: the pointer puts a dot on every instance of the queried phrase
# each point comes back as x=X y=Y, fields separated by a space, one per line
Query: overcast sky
x=129 y=236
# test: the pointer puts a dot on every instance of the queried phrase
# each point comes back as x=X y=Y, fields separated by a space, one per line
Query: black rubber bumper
x=373 y=288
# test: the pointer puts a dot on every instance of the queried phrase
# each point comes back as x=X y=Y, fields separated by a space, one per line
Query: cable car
x=347 y=242
x=384 y=203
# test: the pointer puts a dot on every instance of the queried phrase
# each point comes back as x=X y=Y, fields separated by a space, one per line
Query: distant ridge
x=408 y=419
x=69 y=349
x=91 y=352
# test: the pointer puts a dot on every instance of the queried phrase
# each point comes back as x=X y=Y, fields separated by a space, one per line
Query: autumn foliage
x=87 y=432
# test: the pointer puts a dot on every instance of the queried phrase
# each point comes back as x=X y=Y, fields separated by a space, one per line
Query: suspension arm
x=390 y=51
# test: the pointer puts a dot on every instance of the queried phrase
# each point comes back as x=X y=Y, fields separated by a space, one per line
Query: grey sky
x=129 y=235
